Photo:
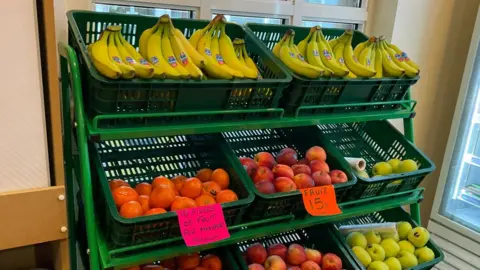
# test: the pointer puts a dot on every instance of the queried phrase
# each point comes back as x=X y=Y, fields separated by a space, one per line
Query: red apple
x=309 y=265
x=338 y=177
x=303 y=181
x=255 y=266
x=275 y=262
x=284 y=184
x=313 y=255
x=301 y=168
x=256 y=253
x=262 y=173
x=281 y=170
x=296 y=254
x=321 y=178
x=265 y=187
x=318 y=165
x=248 y=164
x=277 y=249
x=303 y=161
x=316 y=153
x=265 y=159
x=293 y=267
x=331 y=261
x=287 y=156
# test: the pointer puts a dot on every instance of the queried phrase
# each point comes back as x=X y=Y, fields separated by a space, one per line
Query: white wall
x=23 y=143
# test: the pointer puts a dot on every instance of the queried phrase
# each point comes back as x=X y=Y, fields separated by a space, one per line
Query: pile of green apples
x=391 y=166
x=403 y=250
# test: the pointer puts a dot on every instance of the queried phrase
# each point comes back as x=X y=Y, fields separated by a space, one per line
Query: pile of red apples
x=295 y=257
x=286 y=173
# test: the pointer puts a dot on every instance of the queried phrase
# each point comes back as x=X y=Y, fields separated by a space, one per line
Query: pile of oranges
x=163 y=194
x=190 y=261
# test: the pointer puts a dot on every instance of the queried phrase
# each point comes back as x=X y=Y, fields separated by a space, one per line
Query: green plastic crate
x=377 y=141
x=326 y=91
x=247 y=143
x=105 y=96
x=141 y=160
x=392 y=215
x=319 y=237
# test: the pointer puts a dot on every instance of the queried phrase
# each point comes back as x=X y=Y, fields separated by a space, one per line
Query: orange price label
x=320 y=201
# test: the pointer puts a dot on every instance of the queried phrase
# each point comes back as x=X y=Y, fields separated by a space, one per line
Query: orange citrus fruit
x=144 y=201
x=205 y=199
x=211 y=262
x=183 y=203
x=124 y=194
x=220 y=176
x=169 y=263
x=155 y=211
x=204 y=174
x=113 y=184
x=188 y=261
x=162 y=181
x=162 y=197
x=131 y=209
x=143 y=188
x=178 y=182
x=211 y=188
x=192 y=188
x=226 y=195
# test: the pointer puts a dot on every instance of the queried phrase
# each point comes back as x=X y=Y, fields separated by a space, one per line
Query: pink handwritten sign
x=202 y=225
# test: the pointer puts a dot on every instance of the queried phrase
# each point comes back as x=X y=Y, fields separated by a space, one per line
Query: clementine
x=162 y=181
x=162 y=197
x=188 y=261
x=155 y=211
x=211 y=262
x=205 y=199
x=226 y=195
x=144 y=201
x=113 y=184
x=143 y=188
x=183 y=203
x=123 y=194
x=178 y=181
x=169 y=263
x=200 y=268
x=220 y=176
x=131 y=209
x=192 y=188
x=211 y=188
x=153 y=267
x=204 y=174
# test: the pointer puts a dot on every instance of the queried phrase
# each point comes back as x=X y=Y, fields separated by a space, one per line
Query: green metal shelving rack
x=78 y=129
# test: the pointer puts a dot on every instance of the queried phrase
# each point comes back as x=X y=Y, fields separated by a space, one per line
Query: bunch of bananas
x=216 y=47
x=376 y=54
x=243 y=57
x=114 y=57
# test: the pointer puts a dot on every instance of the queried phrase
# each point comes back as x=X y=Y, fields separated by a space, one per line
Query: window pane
x=244 y=19
x=352 y=26
x=345 y=3
x=146 y=11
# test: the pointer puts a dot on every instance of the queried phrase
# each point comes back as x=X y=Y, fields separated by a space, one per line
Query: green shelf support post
x=68 y=56
x=409 y=134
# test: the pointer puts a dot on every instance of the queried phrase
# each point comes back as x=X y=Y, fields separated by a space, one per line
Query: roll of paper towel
x=358 y=164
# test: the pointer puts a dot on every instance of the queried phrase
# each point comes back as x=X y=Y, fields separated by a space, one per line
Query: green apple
x=407 y=165
x=393 y=264
x=394 y=163
x=363 y=174
x=407 y=259
x=373 y=237
x=357 y=239
x=391 y=247
x=378 y=266
x=376 y=252
x=405 y=245
x=362 y=255
x=403 y=228
x=424 y=254
x=382 y=168
x=394 y=236
x=418 y=236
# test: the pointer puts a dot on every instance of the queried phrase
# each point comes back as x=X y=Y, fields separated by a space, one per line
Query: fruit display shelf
x=78 y=130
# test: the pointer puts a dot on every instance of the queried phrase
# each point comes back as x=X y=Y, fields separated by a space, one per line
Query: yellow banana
x=389 y=66
x=190 y=50
x=144 y=71
x=378 y=61
x=338 y=52
x=212 y=67
x=167 y=50
x=352 y=63
x=341 y=39
x=155 y=57
x=327 y=57
x=239 y=54
x=360 y=46
x=197 y=35
x=405 y=57
x=291 y=60
x=302 y=45
x=397 y=58
x=228 y=54
x=366 y=56
x=215 y=47
x=184 y=58
x=313 y=55
x=143 y=41
x=249 y=62
x=100 y=59
x=138 y=58
x=276 y=48
x=128 y=72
